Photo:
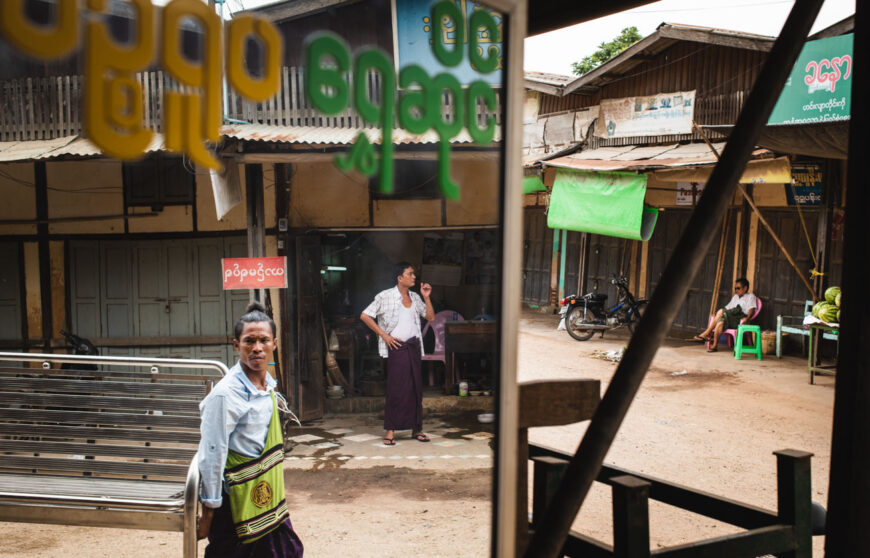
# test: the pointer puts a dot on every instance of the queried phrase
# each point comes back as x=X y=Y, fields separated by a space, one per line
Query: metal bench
x=111 y=447
x=795 y=325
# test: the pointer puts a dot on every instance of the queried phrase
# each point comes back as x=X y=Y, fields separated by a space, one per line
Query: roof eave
x=667 y=35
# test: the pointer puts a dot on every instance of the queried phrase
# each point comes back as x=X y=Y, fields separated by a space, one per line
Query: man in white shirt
x=738 y=311
x=398 y=311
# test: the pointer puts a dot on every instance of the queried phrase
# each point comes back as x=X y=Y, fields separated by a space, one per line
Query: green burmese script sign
x=820 y=85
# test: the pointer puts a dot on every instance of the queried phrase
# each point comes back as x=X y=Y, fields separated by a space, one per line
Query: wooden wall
x=722 y=77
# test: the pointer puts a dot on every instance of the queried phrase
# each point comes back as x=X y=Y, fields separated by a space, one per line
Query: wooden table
x=466 y=337
x=814 y=365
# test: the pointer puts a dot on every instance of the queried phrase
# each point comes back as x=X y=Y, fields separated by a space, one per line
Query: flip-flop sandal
x=699 y=339
x=420 y=437
x=712 y=350
x=389 y=442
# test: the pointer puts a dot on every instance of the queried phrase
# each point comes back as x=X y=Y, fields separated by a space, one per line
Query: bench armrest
x=191 y=499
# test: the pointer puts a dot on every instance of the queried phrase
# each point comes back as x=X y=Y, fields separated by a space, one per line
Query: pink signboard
x=254 y=273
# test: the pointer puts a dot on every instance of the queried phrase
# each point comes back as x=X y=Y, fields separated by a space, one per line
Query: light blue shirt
x=235 y=415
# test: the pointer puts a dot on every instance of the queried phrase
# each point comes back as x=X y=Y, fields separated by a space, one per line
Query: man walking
x=398 y=311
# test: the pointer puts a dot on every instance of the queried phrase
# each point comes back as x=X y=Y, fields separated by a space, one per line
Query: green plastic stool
x=740 y=348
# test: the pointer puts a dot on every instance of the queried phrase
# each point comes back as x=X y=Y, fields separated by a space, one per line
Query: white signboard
x=655 y=115
x=688 y=193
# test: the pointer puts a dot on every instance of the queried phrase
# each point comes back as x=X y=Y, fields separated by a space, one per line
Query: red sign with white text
x=254 y=273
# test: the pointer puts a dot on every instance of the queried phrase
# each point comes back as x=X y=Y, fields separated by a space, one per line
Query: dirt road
x=713 y=427
x=702 y=420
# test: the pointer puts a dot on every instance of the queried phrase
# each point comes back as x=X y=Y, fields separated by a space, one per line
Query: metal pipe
x=679 y=273
x=191 y=499
x=123 y=361
x=107 y=502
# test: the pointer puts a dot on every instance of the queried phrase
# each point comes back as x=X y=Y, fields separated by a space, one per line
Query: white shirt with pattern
x=746 y=303
x=385 y=309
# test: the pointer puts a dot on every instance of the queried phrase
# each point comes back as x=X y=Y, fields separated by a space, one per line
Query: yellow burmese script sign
x=113 y=101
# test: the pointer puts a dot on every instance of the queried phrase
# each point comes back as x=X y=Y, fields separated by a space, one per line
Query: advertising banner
x=655 y=115
x=819 y=88
x=806 y=184
x=688 y=193
x=254 y=273
x=414 y=40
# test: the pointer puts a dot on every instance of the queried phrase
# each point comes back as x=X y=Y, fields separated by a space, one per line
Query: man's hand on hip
x=391 y=341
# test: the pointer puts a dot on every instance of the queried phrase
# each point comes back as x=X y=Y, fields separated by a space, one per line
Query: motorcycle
x=585 y=315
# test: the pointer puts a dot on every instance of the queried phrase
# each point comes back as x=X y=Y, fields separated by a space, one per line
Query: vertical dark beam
x=41 y=186
x=630 y=517
x=282 y=210
x=522 y=519
x=547 y=542
x=848 y=524
x=793 y=499
x=547 y=475
x=256 y=217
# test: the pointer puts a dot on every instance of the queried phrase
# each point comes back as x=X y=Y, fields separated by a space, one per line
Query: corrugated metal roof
x=548 y=79
x=76 y=146
x=70 y=146
x=333 y=136
x=649 y=157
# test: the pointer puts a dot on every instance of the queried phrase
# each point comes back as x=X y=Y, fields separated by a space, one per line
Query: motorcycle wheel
x=635 y=315
x=574 y=321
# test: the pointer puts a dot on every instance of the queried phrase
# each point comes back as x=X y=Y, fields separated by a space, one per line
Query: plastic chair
x=740 y=348
x=437 y=326
x=729 y=334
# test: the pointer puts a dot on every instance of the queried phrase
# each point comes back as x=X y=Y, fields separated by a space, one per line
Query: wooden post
x=752 y=247
x=632 y=266
x=738 y=246
x=41 y=187
x=630 y=517
x=793 y=496
x=720 y=262
x=554 y=270
x=548 y=473
x=581 y=271
x=643 y=280
x=256 y=219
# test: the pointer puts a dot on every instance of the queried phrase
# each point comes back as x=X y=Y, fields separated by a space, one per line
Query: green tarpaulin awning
x=533 y=184
x=606 y=203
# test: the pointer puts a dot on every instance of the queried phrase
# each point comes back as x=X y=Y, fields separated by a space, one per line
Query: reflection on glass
x=332 y=145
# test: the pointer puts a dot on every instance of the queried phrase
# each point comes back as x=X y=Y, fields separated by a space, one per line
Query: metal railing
x=42 y=108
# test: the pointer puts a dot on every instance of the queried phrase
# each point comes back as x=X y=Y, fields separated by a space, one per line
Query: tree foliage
x=606 y=51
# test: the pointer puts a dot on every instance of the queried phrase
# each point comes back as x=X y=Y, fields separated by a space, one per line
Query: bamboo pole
x=720 y=262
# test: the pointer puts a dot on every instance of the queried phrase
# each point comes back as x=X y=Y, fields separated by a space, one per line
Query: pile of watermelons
x=828 y=310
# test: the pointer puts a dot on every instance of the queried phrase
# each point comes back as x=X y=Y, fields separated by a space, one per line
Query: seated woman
x=738 y=310
x=244 y=513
